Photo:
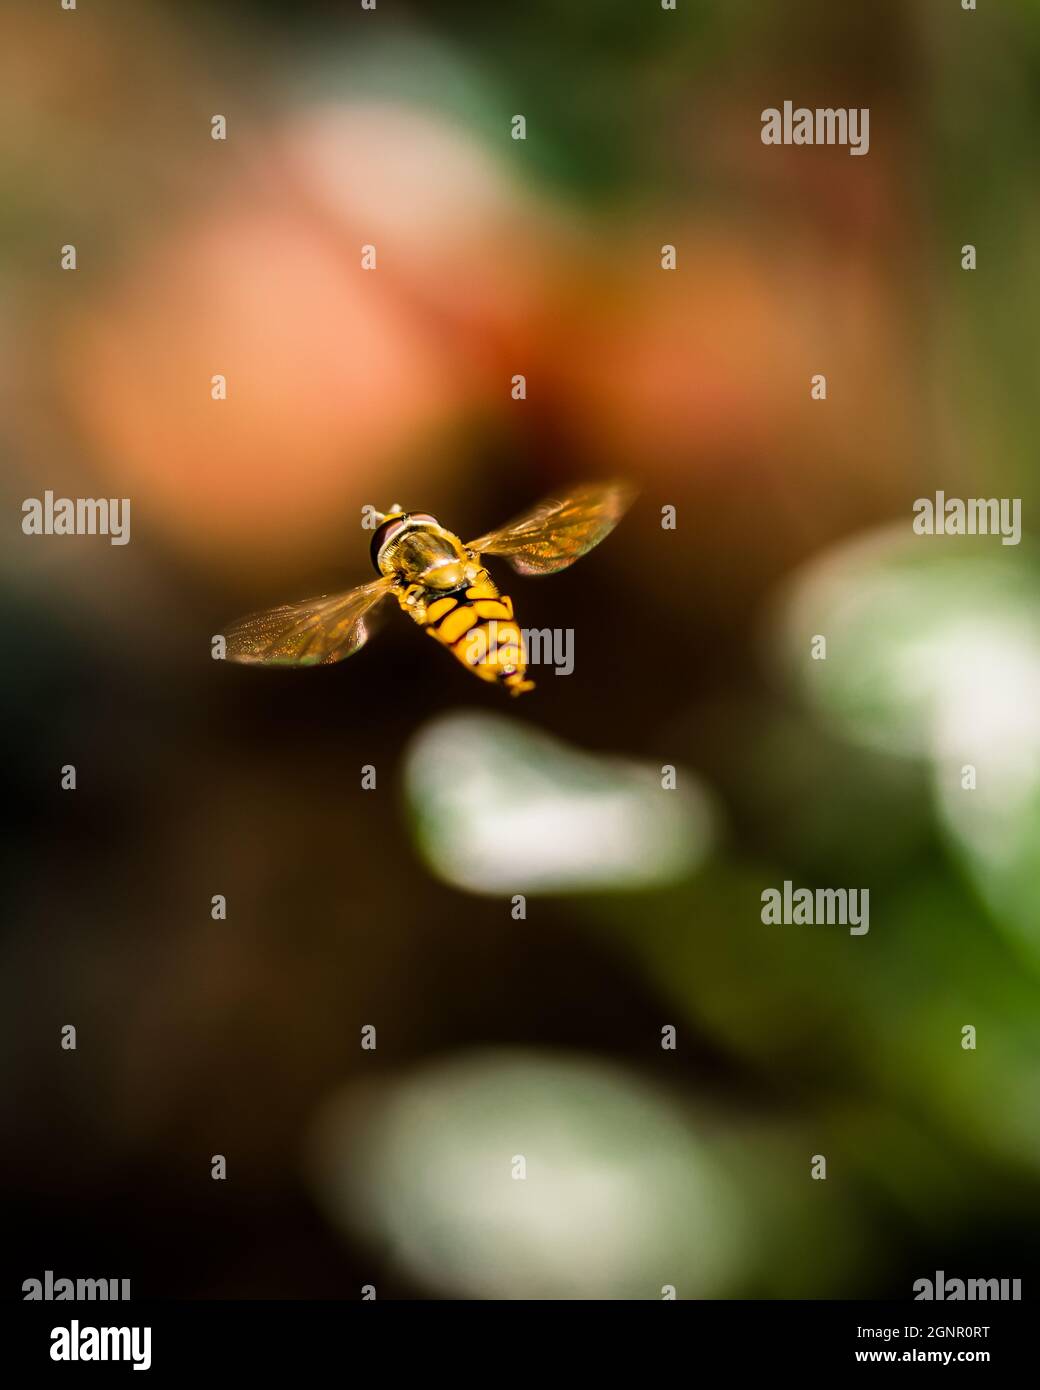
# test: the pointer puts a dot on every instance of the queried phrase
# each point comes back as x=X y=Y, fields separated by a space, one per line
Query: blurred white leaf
x=933 y=649
x=622 y=1195
x=500 y=807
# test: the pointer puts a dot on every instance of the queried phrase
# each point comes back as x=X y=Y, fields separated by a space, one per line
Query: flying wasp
x=442 y=585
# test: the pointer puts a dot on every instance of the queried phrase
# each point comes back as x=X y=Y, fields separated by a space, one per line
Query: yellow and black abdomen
x=476 y=624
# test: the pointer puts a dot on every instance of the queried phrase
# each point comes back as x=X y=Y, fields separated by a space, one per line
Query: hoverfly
x=442 y=585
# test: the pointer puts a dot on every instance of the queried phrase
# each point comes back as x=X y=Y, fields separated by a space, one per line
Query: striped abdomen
x=477 y=627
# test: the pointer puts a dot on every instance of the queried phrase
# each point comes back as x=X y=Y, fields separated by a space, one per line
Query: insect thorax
x=413 y=550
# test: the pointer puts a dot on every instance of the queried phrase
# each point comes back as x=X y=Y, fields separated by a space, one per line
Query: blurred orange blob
x=340 y=381
x=452 y=222
x=713 y=362
x=330 y=383
x=673 y=365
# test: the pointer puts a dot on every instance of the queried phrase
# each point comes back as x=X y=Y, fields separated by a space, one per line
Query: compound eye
x=382 y=535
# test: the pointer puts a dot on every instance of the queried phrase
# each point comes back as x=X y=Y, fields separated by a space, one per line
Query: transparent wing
x=316 y=630
x=559 y=530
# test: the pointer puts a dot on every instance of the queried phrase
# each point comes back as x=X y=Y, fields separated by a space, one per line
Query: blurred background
x=349 y=909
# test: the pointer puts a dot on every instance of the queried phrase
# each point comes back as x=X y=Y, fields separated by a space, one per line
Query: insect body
x=442 y=584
